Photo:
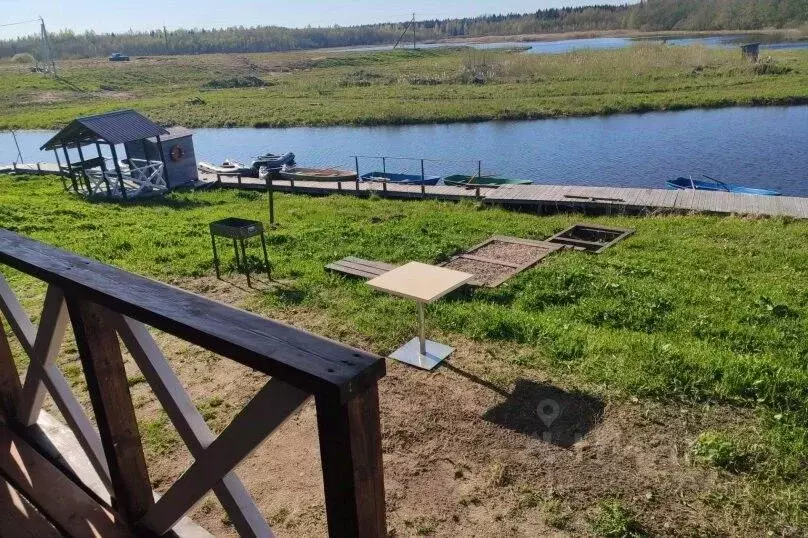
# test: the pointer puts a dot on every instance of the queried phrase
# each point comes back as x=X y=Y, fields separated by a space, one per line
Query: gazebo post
x=70 y=169
x=84 y=171
x=145 y=149
x=103 y=169
x=163 y=159
x=118 y=170
x=59 y=165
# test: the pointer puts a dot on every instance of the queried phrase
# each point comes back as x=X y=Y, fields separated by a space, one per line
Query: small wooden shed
x=178 y=148
x=750 y=51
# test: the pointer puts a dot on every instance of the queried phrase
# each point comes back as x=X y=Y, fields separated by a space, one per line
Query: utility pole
x=410 y=24
x=413 y=31
x=19 y=153
x=47 y=54
x=165 y=35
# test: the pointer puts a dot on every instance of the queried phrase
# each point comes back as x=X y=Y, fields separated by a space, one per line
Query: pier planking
x=552 y=197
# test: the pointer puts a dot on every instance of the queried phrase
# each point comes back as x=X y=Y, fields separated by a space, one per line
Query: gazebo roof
x=112 y=128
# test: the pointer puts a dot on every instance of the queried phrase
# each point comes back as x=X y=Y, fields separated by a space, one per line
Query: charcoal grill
x=239 y=230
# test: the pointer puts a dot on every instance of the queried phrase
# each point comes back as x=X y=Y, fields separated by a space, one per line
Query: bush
x=237 y=82
x=23 y=58
x=768 y=66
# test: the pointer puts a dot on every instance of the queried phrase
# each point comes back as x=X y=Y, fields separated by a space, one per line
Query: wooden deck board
x=566 y=197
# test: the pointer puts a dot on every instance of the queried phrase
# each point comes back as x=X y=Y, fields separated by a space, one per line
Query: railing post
x=356 y=163
x=10 y=387
x=100 y=353
x=423 y=179
x=271 y=197
x=351 y=453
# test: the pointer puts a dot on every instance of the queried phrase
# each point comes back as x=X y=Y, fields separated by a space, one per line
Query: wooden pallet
x=509 y=269
x=360 y=268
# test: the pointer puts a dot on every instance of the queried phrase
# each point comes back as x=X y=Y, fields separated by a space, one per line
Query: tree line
x=648 y=15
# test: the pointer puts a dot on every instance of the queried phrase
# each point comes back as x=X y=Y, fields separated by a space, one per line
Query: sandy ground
x=478 y=447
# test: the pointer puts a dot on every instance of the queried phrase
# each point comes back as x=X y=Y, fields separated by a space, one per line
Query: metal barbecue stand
x=238 y=230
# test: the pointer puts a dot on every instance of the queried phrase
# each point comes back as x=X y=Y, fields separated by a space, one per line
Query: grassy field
x=397 y=87
x=691 y=312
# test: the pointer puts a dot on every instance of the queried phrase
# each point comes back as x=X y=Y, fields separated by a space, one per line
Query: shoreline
x=516 y=117
x=792 y=33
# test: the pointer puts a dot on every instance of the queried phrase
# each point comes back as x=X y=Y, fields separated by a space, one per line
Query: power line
x=16 y=23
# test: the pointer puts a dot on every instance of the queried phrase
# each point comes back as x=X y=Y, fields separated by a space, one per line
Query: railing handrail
x=309 y=362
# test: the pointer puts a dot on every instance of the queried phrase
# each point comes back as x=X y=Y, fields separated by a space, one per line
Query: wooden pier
x=541 y=198
x=552 y=198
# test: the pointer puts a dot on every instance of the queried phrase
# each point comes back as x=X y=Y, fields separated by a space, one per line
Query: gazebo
x=96 y=176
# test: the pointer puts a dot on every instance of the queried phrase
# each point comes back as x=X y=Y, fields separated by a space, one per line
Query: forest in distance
x=646 y=16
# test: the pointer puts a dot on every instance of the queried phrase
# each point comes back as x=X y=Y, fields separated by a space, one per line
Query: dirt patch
x=468 y=448
x=485 y=273
x=518 y=253
x=497 y=260
x=48 y=97
x=478 y=447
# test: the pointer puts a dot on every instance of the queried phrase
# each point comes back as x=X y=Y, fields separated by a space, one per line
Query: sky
x=119 y=16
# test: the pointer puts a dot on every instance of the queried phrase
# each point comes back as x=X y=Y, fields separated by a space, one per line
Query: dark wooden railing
x=103 y=304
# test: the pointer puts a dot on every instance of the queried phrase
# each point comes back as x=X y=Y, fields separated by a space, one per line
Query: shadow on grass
x=549 y=413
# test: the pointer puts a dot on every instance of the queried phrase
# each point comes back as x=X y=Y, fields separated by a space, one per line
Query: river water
x=768 y=42
x=761 y=147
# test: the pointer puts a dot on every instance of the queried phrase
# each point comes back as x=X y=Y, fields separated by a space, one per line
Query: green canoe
x=460 y=180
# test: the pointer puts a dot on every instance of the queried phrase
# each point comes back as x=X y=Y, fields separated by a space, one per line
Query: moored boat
x=272 y=160
x=297 y=173
x=401 y=179
x=228 y=166
x=711 y=184
x=460 y=180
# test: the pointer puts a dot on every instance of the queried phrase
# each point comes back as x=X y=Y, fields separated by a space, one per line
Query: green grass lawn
x=397 y=87
x=690 y=309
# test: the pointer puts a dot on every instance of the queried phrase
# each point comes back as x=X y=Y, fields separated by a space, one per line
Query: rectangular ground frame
x=499 y=258
x=590 y=237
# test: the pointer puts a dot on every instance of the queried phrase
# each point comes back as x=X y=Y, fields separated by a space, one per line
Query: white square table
x=425 y=284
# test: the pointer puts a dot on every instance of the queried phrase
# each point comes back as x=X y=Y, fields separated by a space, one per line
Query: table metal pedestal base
x=411 y=353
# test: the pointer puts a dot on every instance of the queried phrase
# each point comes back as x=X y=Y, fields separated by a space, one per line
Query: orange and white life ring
x=177 y=153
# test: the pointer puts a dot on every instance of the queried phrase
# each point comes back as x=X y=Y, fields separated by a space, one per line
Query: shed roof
x=175 y=132
x=113 y=127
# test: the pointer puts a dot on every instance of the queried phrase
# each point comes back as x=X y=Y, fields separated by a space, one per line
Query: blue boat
x=711 y=184
x=401 y=179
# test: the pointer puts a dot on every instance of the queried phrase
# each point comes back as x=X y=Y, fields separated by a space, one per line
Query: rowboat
x=227 y=167
x=711 y=184
x=460 y=180
x=401 y=179
x=296 y=173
